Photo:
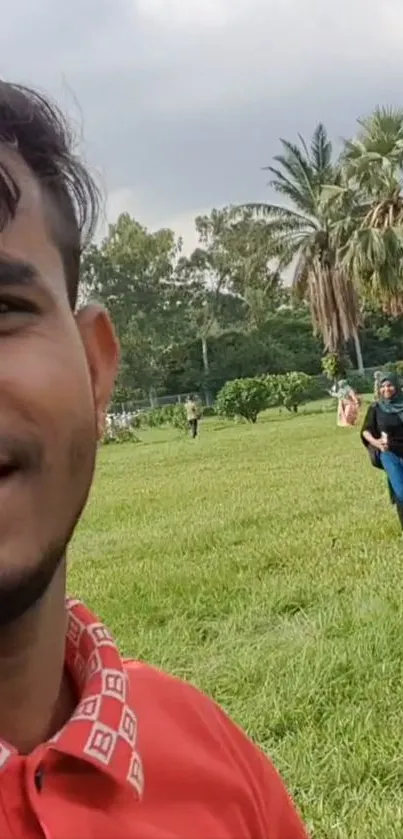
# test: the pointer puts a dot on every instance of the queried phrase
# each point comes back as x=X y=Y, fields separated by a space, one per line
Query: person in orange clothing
x=348 y=407
x=91 y=745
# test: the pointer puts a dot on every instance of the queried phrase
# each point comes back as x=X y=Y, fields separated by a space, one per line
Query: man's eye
x=4 y=308
x=9 y=306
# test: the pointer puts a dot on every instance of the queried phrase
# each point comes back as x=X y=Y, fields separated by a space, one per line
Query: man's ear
x=102 y=351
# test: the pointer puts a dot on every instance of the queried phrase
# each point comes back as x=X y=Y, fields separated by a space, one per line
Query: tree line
x=192 y=322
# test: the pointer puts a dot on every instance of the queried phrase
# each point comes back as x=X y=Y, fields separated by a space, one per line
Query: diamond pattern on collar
x=103 y=727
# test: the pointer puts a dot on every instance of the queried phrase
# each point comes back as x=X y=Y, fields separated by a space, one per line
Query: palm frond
x=382 y=129
x=295 y=192
x=304 y=145
x=299 y=169
x=280 y=215
x=321 y=150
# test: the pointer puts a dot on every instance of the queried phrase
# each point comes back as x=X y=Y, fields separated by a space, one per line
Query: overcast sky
x=181 y=102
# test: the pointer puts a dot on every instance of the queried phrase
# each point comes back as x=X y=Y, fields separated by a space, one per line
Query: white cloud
x=124 y=200
x=127 y=200
x=261 y=48
x=184 y=227
x=186 y=13
x=182 y=101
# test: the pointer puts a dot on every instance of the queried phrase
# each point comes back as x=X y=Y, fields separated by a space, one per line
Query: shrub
x=167 y=414
x=209 y=411
x=121 y=435
x=272 y=382
x=334 y=366
x=179 y=418
x=174 y=415
x=153 y=418
x=318 y=388
x=120 y=429
x=137 y=420
x=361 y=383
x=157 y=417
x=293 y=390
x=395 y=367
x=244 y=398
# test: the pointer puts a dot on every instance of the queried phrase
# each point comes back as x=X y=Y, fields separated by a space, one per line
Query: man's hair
x=38 y=131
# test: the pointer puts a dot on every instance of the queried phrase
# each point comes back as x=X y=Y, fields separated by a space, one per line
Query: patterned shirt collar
x=103 y=728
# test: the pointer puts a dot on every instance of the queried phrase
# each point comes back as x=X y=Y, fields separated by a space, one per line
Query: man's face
x=56 y=374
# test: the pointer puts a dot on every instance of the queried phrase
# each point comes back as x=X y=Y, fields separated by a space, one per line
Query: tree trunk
x=206 y=365
x=358 y=352
x=206 y=368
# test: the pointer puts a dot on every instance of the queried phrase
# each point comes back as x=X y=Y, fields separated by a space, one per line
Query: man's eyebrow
x=14 y=272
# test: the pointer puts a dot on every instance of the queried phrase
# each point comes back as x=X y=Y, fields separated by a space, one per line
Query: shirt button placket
x=35 y=780
x=38 y=777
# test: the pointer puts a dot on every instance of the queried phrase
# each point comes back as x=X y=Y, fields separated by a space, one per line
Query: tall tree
x=302 y=234
x=367 y=208
x=199 y=302
x=242 y=247
x=233 y=259
x=132 y=273
x=203 y=277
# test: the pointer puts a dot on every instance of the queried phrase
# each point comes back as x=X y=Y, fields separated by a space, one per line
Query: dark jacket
x=373 y=453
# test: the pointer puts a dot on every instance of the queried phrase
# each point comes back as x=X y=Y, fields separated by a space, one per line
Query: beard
x=20 y=593
x=22 y=590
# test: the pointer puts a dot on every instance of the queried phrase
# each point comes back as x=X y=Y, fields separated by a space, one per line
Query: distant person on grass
x=92 y=746
x=348 y=404
x=382 y=434
x=192 y=408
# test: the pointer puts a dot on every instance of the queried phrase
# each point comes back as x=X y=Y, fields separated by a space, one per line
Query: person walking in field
x=92 y=745
x=382 y=435
x=348 y=404
x=192 y=415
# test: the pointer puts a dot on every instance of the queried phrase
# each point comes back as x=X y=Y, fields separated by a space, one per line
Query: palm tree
x=368 y=229
x=301 y=233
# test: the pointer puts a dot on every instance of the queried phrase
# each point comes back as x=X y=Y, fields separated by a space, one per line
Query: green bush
x=361 y=383
x=137 y=420
x=179 y=419
x=272 y=390
x=174 y=415
x=244 y=398
x=318 y=388
x=115 y=433
x=154 y=418
x=293 y=390
x=365 y=383
x=157 y=417
x=334 y=366
x=395 y=367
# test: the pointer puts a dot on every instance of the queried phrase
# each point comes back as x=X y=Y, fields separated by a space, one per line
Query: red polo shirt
x=144 y=756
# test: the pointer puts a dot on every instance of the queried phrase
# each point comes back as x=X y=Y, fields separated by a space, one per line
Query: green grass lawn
x=264 y=564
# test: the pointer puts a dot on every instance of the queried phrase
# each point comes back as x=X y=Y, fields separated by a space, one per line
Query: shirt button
x=38 y=778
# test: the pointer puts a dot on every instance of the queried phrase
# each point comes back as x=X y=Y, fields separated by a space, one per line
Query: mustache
x=23 y=453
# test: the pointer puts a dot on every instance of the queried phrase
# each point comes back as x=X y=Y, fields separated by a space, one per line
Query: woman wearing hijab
x=349 y=404
x=382 y=434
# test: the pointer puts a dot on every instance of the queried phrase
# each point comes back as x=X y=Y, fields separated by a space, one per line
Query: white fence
x=179 y=398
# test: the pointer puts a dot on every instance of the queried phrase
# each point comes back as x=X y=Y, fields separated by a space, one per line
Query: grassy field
x=264 y=564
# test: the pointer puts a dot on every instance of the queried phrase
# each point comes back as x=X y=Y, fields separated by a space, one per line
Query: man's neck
x=36 y=698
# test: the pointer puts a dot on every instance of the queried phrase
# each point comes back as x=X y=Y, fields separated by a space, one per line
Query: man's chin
x=21 y=589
